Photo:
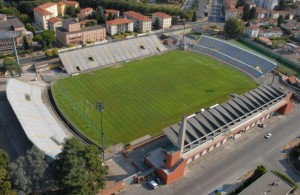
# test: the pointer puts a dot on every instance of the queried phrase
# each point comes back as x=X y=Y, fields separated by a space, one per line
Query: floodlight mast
x=100 y=107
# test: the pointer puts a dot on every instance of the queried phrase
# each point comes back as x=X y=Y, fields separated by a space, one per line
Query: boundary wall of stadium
x=282 y=60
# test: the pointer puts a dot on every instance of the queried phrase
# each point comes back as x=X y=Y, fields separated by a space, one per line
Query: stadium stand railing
x=238 y=57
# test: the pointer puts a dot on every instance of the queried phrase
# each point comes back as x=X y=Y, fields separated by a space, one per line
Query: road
x=215 y=13
x=227 y=163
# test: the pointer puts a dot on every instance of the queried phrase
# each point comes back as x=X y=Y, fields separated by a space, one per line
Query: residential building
x=274 y=32
x=49 y=10
x=43 y=13
x=72 y=33
x=85 y=13
x=234 y=13
x=9 y=26
x=252 y=31
x=267 y=4
x=141 y=23
x=54 y=23
x=119 y=26
x=115 y=13
x=261 y=13
x=165 y=20
x=62 y=6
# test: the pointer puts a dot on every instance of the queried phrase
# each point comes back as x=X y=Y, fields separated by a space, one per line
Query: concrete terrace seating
x=39 y=125
x=238 y=57
x=102 y=55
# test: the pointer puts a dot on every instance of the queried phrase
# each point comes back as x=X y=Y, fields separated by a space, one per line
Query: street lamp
x=100 y=108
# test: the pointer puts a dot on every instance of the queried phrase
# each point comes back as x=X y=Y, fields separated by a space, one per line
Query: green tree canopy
x=5 y=185
x=27 y=171
x=11 y=65
x=194 y=19
x=280 y=20
x=246 y=12
x=80 y=168
x=156 y=24
x=233 y=28
x=47 y=36
x=30 y=28
x=71 y=11
x=252 y=14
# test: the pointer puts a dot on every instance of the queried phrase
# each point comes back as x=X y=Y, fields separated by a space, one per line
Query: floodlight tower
x=100 y=108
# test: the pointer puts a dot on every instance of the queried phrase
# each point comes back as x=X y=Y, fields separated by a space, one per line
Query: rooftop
x=71 y=3
x=47 y=5
x=42 y=11
x=269 y=184
x=216 y=120
x=54 y=20
x=112 y=11
x=87 y=9
x=119 y=21
x=10 y=24
x=61 y=29
x=137 y=15
x=162 y=15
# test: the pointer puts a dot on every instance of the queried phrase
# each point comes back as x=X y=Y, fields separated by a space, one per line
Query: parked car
x=218 y=190
x=152 y=183
x=268 y=135
x=261 y=125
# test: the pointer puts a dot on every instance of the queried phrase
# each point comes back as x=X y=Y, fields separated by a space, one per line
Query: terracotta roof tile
x=112 y=11
x=54 y=20
x=162 y=15
x=47 y=5
x=87 y=9
x=71 y=3
x=119 y=21
x=137 y=15
x=293 y=79
x=42 y=11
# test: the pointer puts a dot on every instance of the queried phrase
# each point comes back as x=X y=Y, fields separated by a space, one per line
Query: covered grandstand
x=39 y=125
x=240 y=58
x=200 y=133
x=102 y=55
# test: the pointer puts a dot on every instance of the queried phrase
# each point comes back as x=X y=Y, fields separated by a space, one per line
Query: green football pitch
x=144 y=96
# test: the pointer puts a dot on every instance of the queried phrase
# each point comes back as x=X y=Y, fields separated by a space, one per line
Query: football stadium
x=147 y=88
x=144 y=96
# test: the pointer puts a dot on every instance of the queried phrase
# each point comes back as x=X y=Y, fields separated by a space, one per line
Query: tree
x=280 y=20
x=194 y=19
x=95 y=16
x=71 y=11
x=27 y=171
x=80 y=168
x=11 y=65
x=233 y=27
x=100 y=10
x=175 y=21
x=282 y=5
x=55 y=52
x=240 y=3
x=48 y=36
x=156 y=24
x=2 y=5
x=246 y=12
x=252 y=14
x=30 y=28
x=5 y=185
x=25 y=43
x=24 y=18
x=91 y=23
x=48 y=53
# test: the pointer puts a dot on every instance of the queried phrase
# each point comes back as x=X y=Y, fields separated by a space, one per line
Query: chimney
x=182 y=132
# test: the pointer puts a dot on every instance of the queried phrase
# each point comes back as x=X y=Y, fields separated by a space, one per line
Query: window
x=27 y=97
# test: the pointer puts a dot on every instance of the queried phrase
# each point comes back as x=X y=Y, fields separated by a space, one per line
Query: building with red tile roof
x=115 y=13
x=54 y=23
x=119 y=26
x=165 y=20
x=141 y=23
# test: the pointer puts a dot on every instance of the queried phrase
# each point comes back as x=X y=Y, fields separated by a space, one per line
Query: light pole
x=100 y=108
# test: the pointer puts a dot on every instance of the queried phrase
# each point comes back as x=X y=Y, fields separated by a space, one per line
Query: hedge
x=287 y=179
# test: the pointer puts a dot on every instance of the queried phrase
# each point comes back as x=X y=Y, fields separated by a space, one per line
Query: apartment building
x=49 y=10
x=72 y=33
x=114 y=12
x=141 y=23
x=119 y=26
x=85 y=13
x=165 y=20
x=54 y=23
